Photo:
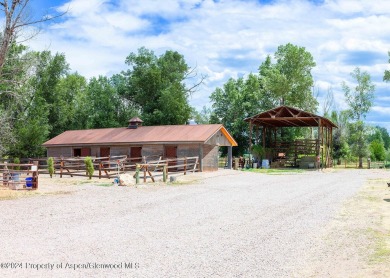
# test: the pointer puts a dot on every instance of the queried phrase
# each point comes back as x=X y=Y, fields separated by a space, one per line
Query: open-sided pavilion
x=269 y=123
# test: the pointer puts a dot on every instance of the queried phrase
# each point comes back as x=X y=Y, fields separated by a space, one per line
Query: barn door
x=171 y=153
x=85 y=151
x=136 y=154
x=104 y=152
x=76 y=152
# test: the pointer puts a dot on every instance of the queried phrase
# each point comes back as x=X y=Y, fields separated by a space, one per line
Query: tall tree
x=289 y=80
x=17 y=18
x=6 y=133
x=105 y=106
x=203 y=116
x=50 y=69
x=386 y=76
x=103 y=103
x=158 y=86
x=15 y=93
x=360 y=100
x=234 y=102
x=340 y=135
x=385 y=136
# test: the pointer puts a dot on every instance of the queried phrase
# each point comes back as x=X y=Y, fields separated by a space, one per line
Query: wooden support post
x=250 y=136
x=200 y=157
x=150 y=174
x=319 y=137
x=230 y=156
x=275 y=129
x=145 y=169
x=331 y=144
x=35 y=176
x=100 y=170
x=196 y=163
x=165 y=173
x=137 y=173
x=61 y=166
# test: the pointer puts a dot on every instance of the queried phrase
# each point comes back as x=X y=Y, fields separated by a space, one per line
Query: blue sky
x=224 y=39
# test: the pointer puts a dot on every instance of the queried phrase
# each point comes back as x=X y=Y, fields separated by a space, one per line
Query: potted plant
x=258 y=153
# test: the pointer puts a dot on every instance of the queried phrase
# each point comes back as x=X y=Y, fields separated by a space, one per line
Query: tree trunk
x=360 y=162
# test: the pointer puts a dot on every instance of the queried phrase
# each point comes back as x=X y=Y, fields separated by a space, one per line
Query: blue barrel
x=29 y=182
x=265 y=164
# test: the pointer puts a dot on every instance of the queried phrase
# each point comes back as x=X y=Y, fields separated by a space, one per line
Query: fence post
x=100 y=170
x=61 y=165
x=164 y=173
x=145 y=169
x=35 y=175
x=137 y=173
x=185 y=165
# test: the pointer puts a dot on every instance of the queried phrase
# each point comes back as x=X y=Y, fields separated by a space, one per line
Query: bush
x=89 y=166
x=17 y=161
x=50 y=166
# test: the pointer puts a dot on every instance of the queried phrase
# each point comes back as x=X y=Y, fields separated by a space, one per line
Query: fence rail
x=112 y=166
x=19 y=176
x=179 y=165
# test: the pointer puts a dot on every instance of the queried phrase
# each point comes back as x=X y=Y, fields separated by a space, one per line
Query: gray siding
x=59 y=151
x=218 y=139
x=210 y=158
x=95 y=151
x=152 y=150
x=119 y=150
x=187 y=150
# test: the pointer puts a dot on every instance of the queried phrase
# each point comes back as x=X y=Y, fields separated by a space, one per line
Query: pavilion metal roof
x=286 y=116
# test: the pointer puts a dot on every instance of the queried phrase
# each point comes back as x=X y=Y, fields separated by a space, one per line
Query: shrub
x=89 y=166
x=17 y=161
x=50 y=166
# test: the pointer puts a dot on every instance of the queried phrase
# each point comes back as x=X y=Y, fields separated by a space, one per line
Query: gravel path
x=232 y=224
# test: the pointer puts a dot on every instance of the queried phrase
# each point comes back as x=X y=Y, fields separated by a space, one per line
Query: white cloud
x=223 y=39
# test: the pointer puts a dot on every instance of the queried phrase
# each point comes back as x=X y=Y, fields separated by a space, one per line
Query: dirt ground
x=356 y=243
x=353 y=242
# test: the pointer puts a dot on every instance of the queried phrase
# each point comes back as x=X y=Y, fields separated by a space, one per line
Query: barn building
x=169 y=141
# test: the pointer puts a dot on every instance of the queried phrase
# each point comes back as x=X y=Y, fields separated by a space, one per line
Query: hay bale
x=126 y=180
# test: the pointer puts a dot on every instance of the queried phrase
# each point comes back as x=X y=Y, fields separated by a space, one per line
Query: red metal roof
x=141 y=135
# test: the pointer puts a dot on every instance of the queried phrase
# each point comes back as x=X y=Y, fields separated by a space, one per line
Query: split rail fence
x=19 y=176
x=110 y=167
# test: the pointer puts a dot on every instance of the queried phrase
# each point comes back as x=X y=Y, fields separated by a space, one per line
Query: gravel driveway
x=232 y=224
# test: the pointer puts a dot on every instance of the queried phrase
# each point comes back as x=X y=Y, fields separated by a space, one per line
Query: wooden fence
x=109 y=167
x=355 y=164
x=163 y=167
x=19 y=176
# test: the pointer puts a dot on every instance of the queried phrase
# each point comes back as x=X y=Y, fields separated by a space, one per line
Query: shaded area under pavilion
x=267 y=125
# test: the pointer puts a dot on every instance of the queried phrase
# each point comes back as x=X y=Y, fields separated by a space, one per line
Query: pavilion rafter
x=286 y=116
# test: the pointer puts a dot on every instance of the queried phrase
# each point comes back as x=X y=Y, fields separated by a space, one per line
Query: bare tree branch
x=16 y=20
